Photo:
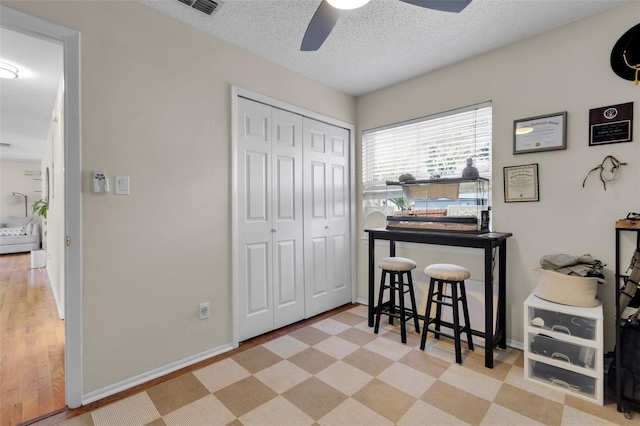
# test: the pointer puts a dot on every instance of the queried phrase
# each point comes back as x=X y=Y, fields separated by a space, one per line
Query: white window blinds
x=428 y=146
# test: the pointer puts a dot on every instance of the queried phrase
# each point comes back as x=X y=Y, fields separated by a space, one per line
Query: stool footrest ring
x=408 y=313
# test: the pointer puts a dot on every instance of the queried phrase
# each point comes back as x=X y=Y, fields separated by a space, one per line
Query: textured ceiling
x=385 y=41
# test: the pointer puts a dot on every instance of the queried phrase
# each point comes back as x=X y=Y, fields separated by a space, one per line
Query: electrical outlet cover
x=204 y=310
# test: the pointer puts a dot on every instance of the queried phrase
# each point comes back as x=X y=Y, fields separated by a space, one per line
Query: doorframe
x=70 y=40
x=237 y=92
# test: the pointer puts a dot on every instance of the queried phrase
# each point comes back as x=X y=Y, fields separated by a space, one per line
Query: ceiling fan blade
x=320 y=26
x=455 y=6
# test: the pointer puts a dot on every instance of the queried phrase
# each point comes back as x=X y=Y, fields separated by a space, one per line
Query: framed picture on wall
x=521 y=183
x=611 y=124
x=46 y=188
x=541 y=133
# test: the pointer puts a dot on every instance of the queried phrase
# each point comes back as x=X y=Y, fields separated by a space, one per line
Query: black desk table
x=487 y=242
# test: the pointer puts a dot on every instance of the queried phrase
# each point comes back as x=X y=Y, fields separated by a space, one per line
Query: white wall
x=13 y=179
x=566 y=69
x=53 y=229
x=156 y=106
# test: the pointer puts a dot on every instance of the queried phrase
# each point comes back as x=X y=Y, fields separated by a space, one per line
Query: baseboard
x=153 y=374
x=55 y=294
x=515 y=344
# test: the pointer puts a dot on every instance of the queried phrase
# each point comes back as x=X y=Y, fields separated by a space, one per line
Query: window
x=427 y=147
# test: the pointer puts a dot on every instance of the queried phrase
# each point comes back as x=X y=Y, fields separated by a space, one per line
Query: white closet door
x=255 y=240
x=288 y=277
x=326 y=209
x=270 y=218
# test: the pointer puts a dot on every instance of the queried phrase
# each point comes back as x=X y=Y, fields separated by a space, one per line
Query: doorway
x=32 y=110
x=69 y=235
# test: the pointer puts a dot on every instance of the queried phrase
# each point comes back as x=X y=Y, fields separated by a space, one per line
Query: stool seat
x=396 y=264
x=447 y=272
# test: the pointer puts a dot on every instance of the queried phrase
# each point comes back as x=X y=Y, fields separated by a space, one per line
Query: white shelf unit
x=564 y=348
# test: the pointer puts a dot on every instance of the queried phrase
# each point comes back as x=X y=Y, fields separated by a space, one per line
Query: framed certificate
x=521 y=183
x=542 y=133
x=611 y=124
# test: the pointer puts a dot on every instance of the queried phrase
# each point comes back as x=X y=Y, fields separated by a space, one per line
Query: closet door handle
x=326 y=227
x=274 y=229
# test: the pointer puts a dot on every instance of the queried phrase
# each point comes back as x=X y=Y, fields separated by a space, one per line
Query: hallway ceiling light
x=8 y=70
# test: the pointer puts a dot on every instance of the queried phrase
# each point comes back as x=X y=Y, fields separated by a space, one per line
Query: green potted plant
x=401 y=203
x=40 y=208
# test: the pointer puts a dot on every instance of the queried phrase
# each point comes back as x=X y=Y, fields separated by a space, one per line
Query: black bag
x=629 y=364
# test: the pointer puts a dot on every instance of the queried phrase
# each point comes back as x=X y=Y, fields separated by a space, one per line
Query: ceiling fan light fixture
x=8 y=70
x=347 y=4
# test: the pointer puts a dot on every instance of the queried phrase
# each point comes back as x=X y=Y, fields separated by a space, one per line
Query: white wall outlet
x=204 y=310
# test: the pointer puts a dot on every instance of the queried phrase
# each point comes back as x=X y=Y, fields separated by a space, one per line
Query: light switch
x=122 y=185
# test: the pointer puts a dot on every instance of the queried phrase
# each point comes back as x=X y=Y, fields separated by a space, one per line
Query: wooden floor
x=32 y=343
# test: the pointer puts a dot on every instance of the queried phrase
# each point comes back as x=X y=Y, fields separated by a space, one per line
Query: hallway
x=32 y=343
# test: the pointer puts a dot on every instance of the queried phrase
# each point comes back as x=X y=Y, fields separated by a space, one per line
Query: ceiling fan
x=328 y=12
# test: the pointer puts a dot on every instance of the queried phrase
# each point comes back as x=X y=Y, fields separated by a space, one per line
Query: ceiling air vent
x=204 y=6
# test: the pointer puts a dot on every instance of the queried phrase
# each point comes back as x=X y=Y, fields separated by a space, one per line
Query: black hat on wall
x=625 y=56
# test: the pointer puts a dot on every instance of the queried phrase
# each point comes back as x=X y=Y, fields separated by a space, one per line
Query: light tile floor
x=337 y=372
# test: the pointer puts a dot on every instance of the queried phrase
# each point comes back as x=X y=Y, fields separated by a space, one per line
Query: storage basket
x=567 y=289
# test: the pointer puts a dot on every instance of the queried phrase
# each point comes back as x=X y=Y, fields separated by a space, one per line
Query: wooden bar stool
x=443 y=274
x=397 y=268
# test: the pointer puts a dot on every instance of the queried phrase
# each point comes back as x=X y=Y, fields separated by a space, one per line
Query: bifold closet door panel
x=326 y=210
x=288 y=272
x=255 y=239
